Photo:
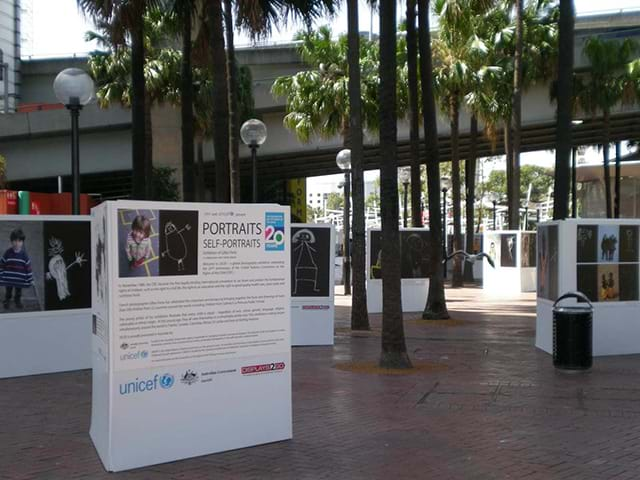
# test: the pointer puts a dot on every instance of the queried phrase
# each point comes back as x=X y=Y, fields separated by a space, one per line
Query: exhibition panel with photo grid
x=513 y=254
x=46 y=270
x=415 y=270
x=600 y=258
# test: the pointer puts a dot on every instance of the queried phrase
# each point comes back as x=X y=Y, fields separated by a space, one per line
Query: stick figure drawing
x=176 y=246
x=305 y=266
x=58 y=268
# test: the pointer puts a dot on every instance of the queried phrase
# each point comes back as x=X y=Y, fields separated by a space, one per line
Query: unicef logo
x=144 y=354
x=167 y=381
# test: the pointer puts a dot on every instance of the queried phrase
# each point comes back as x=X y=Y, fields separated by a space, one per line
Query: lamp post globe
x=74 y=88
x=343 y=160
x=253 y=133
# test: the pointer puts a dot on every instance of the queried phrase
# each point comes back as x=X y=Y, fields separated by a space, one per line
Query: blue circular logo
x=167 y=380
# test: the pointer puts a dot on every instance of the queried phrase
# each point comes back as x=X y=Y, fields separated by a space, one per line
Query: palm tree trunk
x=564 y=96
x=436 y=307
x=605 y=155
x=516 y=121
x=394 y=349
x=148 y=148
x=617 y=181
x=359 y=314
x=200 y=183
x=220 y=108
x=414 y=115
x=508 y=148
x=186 y=108
x=234 y=123
x=470 y=186
x=141 y=175
x=456 y=278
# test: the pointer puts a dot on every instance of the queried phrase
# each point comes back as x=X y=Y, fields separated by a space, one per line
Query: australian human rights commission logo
x=274 y=234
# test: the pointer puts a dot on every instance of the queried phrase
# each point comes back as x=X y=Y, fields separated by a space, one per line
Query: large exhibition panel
x=312 y=283
x=414 y=266
x=191 y=330
x=45 y=287
x=599 y=258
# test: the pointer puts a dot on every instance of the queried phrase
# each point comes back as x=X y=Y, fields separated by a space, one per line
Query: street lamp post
x=445 y=185
x=494 y=200
x=405 y=177
x=253 y=133
x=343 y=160
x=74 y=88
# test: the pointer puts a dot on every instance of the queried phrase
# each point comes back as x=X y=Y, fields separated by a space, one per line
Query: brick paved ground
x=499 y=410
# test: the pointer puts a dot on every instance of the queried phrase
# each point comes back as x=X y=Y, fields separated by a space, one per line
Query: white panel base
x=312 y=322
x=616 y=330
x=45 y=342
x=414 y=295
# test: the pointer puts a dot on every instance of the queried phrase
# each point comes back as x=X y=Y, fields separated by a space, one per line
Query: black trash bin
x=573 y=333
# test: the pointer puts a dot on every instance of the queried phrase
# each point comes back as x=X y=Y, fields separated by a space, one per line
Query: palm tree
x=514 y=128
x=414 y=114
x=126 y=19
x=318 y=104
x=359 y=314
x=234 y=124
x=185 y=10
x=470 y=193
x=436 y=306
x=602 y=87
x=455 y=52
x=394 y=350
x=220 y=100
x=564 y=96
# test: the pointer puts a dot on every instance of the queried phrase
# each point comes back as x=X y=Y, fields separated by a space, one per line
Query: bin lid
x=573 y=309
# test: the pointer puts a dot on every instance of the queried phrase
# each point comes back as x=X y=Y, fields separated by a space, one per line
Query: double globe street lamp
x=74 y=88
x=343 y=160
x=253 y=133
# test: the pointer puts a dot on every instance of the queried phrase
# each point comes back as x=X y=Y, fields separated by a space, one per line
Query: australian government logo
x=189 y=378
x=274 y=234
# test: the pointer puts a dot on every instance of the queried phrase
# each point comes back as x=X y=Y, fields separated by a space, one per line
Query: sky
x=59 y=27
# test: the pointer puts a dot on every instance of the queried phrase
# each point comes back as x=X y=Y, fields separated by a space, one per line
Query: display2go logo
x=274 y=234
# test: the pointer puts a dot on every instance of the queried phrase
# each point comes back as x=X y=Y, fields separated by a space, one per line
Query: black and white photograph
x=415 y=253
x=629 y=288
x=493 y=248
x=68 y=269
x=21 y=266
x=547 y=262
x=138 y=243
x=587 y=244
x=178 y=242
x=629 y=243
x=587 y=281
x=100 y=258
x=608 y=243
x=508 y=250
x=310 y=261
x=375 y=254
x=528 y=250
